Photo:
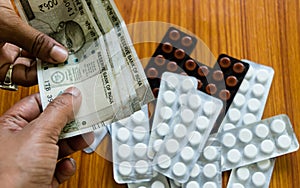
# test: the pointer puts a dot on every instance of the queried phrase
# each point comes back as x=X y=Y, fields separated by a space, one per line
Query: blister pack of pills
x=158 y=181
x=130 y=138
x=191 y=115
x=258 y=141
x=257 y=175
x=99 y=134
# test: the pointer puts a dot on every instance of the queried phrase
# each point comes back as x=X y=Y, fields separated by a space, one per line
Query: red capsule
x=225 y=62
x=218 y=75
x=231 y=81
x=174 y=35
x=224 y=94
x=167 y=47
x=203 y=71
x=159 y=60
x=152 y=73
x=211 y=89
x=186 y=41
x=190 y=65
x=238 y=68
x=179 y=54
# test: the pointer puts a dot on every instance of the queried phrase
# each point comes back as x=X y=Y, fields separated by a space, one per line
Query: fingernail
x=73 y=91
x=59 y=54
x=73 y=162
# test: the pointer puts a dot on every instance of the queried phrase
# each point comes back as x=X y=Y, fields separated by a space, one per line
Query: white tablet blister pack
x=258 y=141
x=158 y=181
x=190 y=121
x=174 y=91
x=249 y=102
x=99 y=134
x=130 y=138
x=256 y=175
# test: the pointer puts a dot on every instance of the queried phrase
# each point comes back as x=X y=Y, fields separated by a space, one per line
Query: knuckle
x=40 y=41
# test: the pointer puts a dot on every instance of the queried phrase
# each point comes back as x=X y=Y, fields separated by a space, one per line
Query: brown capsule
x=155 y=92
x=190 y=65
x=186 y=41
x=224 y=94
x=152 y=73
x=179 y=54
x=225 y=62
x=218 y=75
x=203 y=71
x=238 y=68
x=172 y=66
x=167 y=47
x=174 y=35
x=211 y=89
x=159 y=60
x=231 y=81
x=200 y=84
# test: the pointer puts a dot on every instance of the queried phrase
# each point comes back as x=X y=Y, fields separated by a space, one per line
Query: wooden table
x=264 y=31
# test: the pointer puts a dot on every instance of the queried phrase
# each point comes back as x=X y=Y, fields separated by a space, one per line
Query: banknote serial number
x=48 y=5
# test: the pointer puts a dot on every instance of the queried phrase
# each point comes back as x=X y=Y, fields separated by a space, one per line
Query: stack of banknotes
x=102 y=61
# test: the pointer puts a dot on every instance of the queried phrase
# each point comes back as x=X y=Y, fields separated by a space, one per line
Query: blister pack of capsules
x=191 y=119
x=258 y=141
x=130 y=138
x=256 y=175
x=158 y=181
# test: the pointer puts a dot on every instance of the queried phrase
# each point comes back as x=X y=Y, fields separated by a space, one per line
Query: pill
x=238 y=68
x=190 y=65
x=210 y=153
x=264 y=165
x=141 y=167
x=162 y=129
x=172 y=82
x=139 y=133
x=210 y=184
x=258 y=90
x=165 y=113
x=142 y=187
x=192 y=184
x=224 y=94
x=138 y=117
x=195 y=138
x=243 y=173
x=262 y=76
x=125 y=168
x=245 y=135
x=179 y=54
x=124 y=151
x=167 y=47
x=278 y=126
x=187 y=154
x=200 y=84
x=182 y=100
x=179 y=131
x=261 y=131
x=284 y=142
x=157 y=184
x=253 y=105
x=239 y=100
x=164 y=161
x=234 y=156
x=187 y=84
x=228 y=140
x=140 y=149
x=194 y=101
x=186 y=41
x=250 y=151
x=218 y=75
x=237 y=185
x=244 y=87
x=172 y=66
x=187 y=116
x=267 y=146
x=195 y=171
x=210 y=170
x=202 y=123
x=157 y=144
x=179 y=169
x=250 y=73
x=174 y=35
x=159 y=60
x=172 y=146
x=225 y=62
x=209 y=108
x=258 y=179
x=169 y=97
x=234 y=115
x=231 y=81
x=211 y=89
x=203 y=71
x=123 y=134
x=249 y=118
x=152 y=73
x=228 y=126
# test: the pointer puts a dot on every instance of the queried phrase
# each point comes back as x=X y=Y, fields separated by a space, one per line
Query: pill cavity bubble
x=195 y=138
x=157 y=144
x=243 y=173
x=228 y=126
x=172 y=146
x=194 y=101
x=262 y=76
x=258 y=90
x=239 y=100
x=234 y=156
x=157 y=184
x=209 y=108
x=164 y=161
x=250 y=73
x=278 y=126
x=139 y=133
x=179 y=169
x=179 y=131
x=258 y=179
x=261 y=131
x=187 y=84
x=237 y=185
x=172 y=82
x=284 y=142
x=210 y=184
x=228 y=140
x=234 y=115
x=165 y=113
x=162 y=129
x=244 y=86
x=267 y=146
x=187 y=154
x=141 y=167
x=187 y=116
x=249 y=118
x=210 y=153
x=210 y=170
x=202 y=123
x=245 y=135
x=169 y=97
x=264 y=165
x=124 y=151
x=253 y=105
x=140 y=150
x=125 y=168
x=192 y=184
x=195 y=171
x=250 y=151
x=123 y=134
x=182 y=99
x=138 y=117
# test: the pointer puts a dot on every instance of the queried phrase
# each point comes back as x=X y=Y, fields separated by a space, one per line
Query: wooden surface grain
x=264 y=31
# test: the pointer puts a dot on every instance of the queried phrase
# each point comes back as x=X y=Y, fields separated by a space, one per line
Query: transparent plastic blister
x=130 y=138
x=158 y=181
x=99 y=135
x=258 y=141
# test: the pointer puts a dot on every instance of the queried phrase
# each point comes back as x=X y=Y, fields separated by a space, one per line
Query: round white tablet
x=194 y=101
x=125 y=168
x=138 y=117
x=210 y=170
x=250 y=151
x=139 y=133
x=157 y=144
x=182 y=100
x=239 y=100
x=253 y=105
x=169 y=97
x=258 y=179
x=258 y=90
x=228 y=126
x=195 y=138
x=179 y=169
x=284 y=142
x=244 y=86
x=237 y=185
x=142 y=187
x=123 y=134
x=172 y=146
x=210 y=184
x=166 y=113
x=164 y=161
x=179 y=131
x=172 y=82
x=267 y=146
x=210 y=153
x=140 y=149
x=249 y=118
x=228 y=140
x=124 y=151
x=187 y=154
x=157 y=184
x=278 y=126
x=234 y=115
x=262 y=76
x=192 y=184
x=234 y=156
x=243 y=173
x=187 y=116
x=264 y=165
x=141 y=167
x=202 y=123
x=195 y=171
x=250 y=73
x=261 y=131
x=209 y=108
x=245 y=135
x=162 y=129
x=187 y=84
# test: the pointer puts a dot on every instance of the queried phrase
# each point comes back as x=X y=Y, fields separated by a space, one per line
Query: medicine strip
x=157 y=181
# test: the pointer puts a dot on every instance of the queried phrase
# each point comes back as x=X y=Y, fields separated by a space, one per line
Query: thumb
x=14 y=30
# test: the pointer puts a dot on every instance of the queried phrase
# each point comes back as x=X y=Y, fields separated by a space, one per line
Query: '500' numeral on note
x=48 y=5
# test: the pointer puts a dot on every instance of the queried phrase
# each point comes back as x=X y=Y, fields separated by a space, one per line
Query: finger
x=25 y=75
x=15 y=31
x=70 y=145
x=65 y=169
x=24 y=53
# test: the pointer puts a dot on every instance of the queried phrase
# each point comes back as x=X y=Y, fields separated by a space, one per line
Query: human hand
x=15 y=35
x=29 y=142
